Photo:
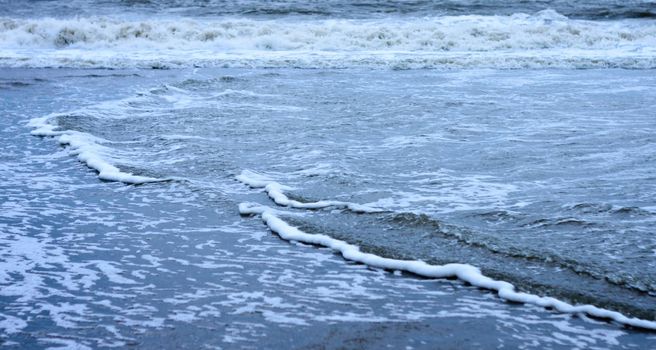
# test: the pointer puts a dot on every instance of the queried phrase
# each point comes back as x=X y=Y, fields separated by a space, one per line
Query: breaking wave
x=517 y=41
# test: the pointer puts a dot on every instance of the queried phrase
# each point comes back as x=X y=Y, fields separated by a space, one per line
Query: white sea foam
x=276 y=192
x=10 y=324
x=88 y=149
x=464 y=272
x=443 y=191
x=545 y=39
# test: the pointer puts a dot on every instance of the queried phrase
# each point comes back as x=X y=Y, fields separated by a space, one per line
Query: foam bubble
x=276 y=192
x=464 y=272
x=545 y=39
x=88 y=149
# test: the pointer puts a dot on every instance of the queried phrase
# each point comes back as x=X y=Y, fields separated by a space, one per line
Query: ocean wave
x=413 y=221
x=588 y=9
x=88 y=148
x=517 y=41
x=465 y=272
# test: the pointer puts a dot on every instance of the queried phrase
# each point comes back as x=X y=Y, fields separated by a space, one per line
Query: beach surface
x=243 y=175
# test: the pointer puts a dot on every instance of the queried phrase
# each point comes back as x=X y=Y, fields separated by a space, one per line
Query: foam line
x=88 y=150
x=464 y=272
x=276 y=192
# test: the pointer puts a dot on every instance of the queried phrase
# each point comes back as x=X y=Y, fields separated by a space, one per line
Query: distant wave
x=544 y=30
x=516 y=41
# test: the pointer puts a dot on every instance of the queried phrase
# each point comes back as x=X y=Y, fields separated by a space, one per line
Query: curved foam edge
x=276 y=192
x=464 y=272
x=86 y=147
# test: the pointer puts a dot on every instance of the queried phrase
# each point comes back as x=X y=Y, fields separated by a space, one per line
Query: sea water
x=508 y=143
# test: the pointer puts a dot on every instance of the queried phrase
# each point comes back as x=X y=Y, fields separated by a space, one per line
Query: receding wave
x=88 y=148
x=536 y=277
x=546 y=39
x=534 y=271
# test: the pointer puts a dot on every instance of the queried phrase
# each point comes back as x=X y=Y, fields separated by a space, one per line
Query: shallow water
x=108 y=252
x=448 y=154
x=506 y=137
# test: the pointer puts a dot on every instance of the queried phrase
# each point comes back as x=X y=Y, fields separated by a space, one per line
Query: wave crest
x=546 y=29
x=545 y=39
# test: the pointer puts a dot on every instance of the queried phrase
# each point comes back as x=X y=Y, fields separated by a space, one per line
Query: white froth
x=64 y=344
x=464 y=272
x=277 y=194
x=88 y=149
x=112 y=272
x=545 y=39
x=445 y=191
x=11 y=324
